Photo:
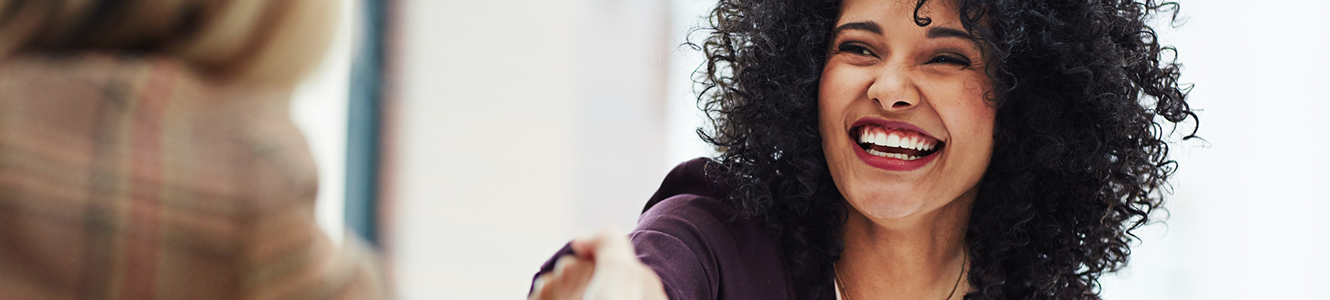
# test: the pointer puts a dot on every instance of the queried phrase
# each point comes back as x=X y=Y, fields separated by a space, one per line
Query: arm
x=602 y=266
x=676 y=240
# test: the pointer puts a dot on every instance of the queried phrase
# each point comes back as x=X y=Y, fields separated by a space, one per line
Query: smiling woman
x=892 y=149
x=916 y=84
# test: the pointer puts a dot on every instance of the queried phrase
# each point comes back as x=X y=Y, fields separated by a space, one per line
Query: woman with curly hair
x=890 y=149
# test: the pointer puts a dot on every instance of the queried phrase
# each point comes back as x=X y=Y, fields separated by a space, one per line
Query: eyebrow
x=941 y=32
x=869 y=26
x=933 y=32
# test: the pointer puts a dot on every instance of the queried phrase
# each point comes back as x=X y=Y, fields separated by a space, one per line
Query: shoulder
x=702 y=246
x=695 y=212
x=692 y=202
x=691 y=208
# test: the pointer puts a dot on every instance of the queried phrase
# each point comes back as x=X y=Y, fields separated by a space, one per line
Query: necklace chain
x=845 y=293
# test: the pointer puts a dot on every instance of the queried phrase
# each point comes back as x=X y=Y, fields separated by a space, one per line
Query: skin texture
x=905 y=231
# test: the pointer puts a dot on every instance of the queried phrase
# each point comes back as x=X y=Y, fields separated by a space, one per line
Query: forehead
x=892 y=13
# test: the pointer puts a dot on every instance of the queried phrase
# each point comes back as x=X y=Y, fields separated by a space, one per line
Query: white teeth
x=902 y=156
x=891 y=155
x=892 y=140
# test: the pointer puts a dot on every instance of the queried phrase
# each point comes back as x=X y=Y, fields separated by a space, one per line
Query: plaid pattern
x=132 y=178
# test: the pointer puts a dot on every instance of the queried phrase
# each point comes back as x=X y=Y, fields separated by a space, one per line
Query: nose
x=894 y=90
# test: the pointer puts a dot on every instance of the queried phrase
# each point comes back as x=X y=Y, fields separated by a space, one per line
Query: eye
x=854 y=48
x=951 y=59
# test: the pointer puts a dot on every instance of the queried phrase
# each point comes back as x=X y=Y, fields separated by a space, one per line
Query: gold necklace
x=844 y=293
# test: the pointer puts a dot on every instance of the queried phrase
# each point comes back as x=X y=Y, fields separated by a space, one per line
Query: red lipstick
x=892 y=162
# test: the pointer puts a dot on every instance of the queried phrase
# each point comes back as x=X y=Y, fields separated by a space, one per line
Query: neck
x=918 y=257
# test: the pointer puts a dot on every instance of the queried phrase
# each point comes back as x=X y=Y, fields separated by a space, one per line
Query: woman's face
x=905 y=125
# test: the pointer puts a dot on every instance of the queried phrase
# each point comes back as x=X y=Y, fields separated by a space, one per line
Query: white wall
x=524 y=123
x=487 y=151
x=1249 y=215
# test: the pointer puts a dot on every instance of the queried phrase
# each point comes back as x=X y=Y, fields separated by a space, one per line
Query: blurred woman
x=891 y=149
x=146 y=152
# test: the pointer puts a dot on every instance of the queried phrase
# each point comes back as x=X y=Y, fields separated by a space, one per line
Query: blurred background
x=470 y=140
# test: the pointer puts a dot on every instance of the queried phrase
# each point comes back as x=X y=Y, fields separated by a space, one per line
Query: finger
x=568 y=279
x=585 y=246
x=577 y=276
x=573 y=270
x=606 y=246
x=618 y=273
x=538 y=288
x=630 y=282
x=562 y=263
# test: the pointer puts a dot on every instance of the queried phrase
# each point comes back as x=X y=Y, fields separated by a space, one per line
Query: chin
x=886 y=204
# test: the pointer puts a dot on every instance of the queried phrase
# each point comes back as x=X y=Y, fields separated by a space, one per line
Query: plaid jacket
x=132 y=178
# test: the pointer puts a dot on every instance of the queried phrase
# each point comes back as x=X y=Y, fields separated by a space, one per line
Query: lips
x=894 y=145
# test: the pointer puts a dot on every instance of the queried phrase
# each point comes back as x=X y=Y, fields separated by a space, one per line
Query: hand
x=604 y=267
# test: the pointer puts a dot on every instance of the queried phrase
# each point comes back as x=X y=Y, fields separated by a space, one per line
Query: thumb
x=606 y=245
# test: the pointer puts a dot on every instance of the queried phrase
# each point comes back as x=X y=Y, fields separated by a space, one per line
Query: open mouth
x=898 y=143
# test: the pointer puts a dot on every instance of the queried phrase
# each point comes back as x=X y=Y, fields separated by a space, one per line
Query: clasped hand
x=604 y=267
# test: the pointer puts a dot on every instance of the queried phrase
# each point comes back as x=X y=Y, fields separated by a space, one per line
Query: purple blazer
x=703 y=248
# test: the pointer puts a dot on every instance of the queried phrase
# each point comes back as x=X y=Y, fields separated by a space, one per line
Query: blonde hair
x=254 y=41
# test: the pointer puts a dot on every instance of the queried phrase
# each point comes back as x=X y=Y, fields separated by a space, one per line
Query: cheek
x=980 y=113
x=968 y=111
x=970 y=121
x=838 y=88
x=829 y=90
x=832 y=101
x=978 y=131
x=837 y=91
x=975 y=117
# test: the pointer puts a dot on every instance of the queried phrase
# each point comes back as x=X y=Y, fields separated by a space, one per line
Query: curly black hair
x=1083 y=92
